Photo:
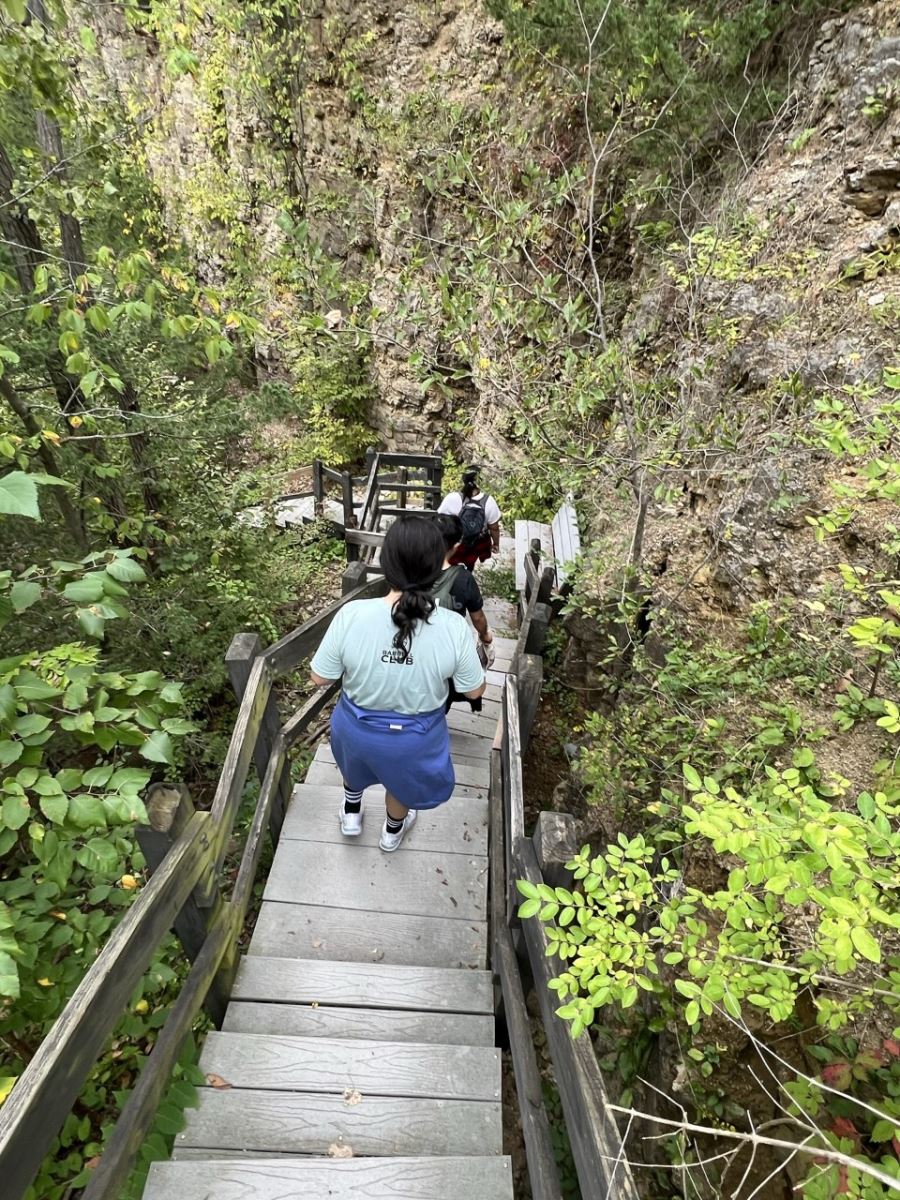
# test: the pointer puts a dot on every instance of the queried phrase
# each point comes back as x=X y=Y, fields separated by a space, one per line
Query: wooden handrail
x=43 y=1096
x=603 y=1170
x=287 y=653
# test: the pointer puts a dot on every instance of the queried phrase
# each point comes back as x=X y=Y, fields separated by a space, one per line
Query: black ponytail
x=412 y=558
x=469 y=482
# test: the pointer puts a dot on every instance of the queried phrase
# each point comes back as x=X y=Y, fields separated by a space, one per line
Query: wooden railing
x=397 y=475
x=603 y=1172
x=185 y=851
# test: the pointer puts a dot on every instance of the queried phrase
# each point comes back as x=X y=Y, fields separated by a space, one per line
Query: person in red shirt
x=479 y=515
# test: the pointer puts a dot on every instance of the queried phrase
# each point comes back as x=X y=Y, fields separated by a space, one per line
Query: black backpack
x=473 y=518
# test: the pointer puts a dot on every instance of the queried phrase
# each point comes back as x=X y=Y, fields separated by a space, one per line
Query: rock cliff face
x=343 y=156
x=791 y=302
x=795 y=313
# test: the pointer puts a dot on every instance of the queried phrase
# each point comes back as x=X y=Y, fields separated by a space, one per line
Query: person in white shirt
x=479 y=514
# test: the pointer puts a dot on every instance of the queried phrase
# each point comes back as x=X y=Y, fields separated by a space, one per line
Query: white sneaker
x=351 y=823
x=391 y=841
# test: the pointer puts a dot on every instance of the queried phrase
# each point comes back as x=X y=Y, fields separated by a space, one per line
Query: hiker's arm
x=479 y=691
x=494 y=531
x=480 y=621
x=319 y=681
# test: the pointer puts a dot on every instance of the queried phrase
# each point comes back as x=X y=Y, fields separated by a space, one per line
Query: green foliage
x=665 y=72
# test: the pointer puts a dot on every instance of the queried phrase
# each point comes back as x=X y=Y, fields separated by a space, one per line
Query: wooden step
x=339 y=1179
x=458 y=827
x=363 y=985
x=327 y=774
x=354 y=935
x=245 y=1120
x=462 y=720
x=364 y=878
x=277 y=1062
x=504 y=648
x=391 y=1025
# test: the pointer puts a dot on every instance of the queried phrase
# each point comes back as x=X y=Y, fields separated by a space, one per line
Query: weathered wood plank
x=504 y=647
x=363 y=877
x=363 y=985
x=169 y=809
x=490 y=707
x=592 y=1131
x=468 y=745
x=458 y=827
x=361 y=537
x=483 y=725
x=513 y=789
x=243 y=651
x=327 y=774
x=296 y=1064
x=45 y=1092
x=356 y=935
x=252 y=1120
x=307 y=713
x=139 y=1112
x=302 y=1020
x=543 y=1175
x=233 y=779
x=253 y=846
x=287 y=653
x=457 y=1178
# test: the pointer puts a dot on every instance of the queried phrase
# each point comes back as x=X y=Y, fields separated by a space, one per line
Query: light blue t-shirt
x=358 y=648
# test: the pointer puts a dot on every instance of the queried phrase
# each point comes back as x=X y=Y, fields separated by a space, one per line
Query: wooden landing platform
x=357 y=1056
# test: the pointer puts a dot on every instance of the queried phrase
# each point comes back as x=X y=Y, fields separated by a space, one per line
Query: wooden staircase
x=357 y=1054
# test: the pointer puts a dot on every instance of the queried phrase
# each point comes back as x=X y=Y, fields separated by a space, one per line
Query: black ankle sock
x=352 y=801
x=394 y=825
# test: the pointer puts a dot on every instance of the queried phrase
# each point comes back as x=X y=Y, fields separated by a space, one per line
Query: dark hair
x=412 y=557
x=470 y=481
x=451 y=529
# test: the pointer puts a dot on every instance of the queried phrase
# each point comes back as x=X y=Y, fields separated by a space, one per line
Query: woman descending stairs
x=357 y=1056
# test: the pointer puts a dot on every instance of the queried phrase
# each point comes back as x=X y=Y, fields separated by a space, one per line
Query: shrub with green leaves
x=811 y=894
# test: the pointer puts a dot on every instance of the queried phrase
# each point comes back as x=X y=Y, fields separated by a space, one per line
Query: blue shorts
x=407 y=755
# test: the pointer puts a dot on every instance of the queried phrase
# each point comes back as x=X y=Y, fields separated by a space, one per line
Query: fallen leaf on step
x=352 y=1096
x=217 y=1081
x=339 y=1150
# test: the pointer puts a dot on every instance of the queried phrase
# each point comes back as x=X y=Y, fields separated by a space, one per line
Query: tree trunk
x=20 y=231
x=67 y=510
x=139 y=445
x=50 y=141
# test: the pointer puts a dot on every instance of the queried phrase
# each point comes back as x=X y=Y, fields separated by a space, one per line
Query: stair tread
x=459 y=1178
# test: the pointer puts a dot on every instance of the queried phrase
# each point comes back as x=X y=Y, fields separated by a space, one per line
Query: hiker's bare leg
x=395 y=809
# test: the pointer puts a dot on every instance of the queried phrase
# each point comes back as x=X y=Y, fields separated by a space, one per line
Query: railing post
x=435 y=476
x=555 y=843
x=354 y=576
x=347 y=497
x=530 y=679
x=403 y=477
x=244 y=648
x=541 y=616
x=168 y=810
x=318 y=487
